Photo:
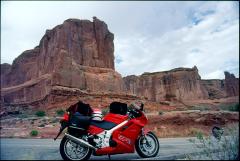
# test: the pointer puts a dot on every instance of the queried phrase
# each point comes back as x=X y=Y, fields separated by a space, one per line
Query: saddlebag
x=78 y=123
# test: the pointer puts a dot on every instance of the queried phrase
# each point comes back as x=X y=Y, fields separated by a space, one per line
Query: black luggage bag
x=78 y=124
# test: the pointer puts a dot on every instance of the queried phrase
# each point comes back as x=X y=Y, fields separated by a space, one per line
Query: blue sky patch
x=118 y=60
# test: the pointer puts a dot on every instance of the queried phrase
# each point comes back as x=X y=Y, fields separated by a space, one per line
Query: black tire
x=140 y=150
x=65 y=155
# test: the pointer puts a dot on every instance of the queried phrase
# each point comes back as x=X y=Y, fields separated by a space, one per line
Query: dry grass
x=182 y=124
x=224 y=148
x=166 y=131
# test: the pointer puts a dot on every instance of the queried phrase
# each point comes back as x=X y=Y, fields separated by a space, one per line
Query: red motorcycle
x=120 y=131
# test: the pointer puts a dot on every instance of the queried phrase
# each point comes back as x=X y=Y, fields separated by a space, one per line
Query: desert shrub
x=22 y=116
x=164 y=103
x=170 y=95
x=160 y=113
x=227 y=148
x=195 y=132
x=34 y=133
x=54 y=120
x=41 y=125
x=231 y=107
x=147 y=110
x=60 y=112
x=40 y=113
x=105 y=111
x=201 y=108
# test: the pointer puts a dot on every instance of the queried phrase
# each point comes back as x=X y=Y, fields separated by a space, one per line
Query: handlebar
x=134 y=105
x=134 y=112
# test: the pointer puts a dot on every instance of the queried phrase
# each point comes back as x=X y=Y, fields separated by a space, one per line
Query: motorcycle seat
x=103 y=124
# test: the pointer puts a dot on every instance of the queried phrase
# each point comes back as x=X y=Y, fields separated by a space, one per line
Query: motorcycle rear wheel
x=67 y=147
x=147 y=145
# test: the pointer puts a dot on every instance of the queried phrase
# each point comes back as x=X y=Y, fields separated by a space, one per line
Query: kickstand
x=109 y=157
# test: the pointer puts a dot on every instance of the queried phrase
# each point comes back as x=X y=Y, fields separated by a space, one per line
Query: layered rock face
x=177 y=84
x=222 y=88
x=75 y=61
x=215 y=88
x=231 y=84
x=75 y=54
x=181 y=84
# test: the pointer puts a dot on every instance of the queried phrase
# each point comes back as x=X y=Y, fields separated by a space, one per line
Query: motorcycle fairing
x=124 y=135
x=115 y=118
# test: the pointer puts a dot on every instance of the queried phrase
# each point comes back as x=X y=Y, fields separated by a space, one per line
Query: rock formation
x=222 y=88
x=179 y=84
x=215 y=88
x=75 y=54
x=75 y=60
x=231 y=84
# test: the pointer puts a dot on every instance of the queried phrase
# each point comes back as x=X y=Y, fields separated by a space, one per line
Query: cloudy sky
x=149 y=36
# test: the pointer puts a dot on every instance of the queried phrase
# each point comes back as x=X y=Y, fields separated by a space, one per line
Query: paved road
x=47 y=149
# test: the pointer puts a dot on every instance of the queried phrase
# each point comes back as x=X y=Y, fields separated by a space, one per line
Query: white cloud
x=149 y=36
x=209 y=45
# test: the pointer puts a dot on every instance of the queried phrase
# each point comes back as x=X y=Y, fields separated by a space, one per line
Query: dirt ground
x=166 y=124
x=189 y=123
x=166 y=119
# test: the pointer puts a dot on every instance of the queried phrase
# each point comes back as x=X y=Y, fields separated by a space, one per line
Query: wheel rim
x=148 y=145
x=75 y=151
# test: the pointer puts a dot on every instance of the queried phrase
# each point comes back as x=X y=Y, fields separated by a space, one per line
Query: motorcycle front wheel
x=147 y=145
x=70 y=150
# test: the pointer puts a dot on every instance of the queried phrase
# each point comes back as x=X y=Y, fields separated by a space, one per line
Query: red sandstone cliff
x=75 y=60
x=231 y=84
x=76 y=54
x=179 y=84
x=215 y=88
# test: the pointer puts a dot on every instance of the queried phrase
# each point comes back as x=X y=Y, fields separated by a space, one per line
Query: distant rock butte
x=231 y=84
x=176 y=84
x=215 y=88
x=181 y=84
x=76 y=60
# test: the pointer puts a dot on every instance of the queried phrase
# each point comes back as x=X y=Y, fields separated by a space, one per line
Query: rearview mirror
x=141 y=107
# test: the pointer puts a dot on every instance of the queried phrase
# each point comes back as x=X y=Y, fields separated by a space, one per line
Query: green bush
x=231 y=107
x=234 y=107
x=196 y=132
x=201 y=108
x=225 y=148
x=34 y=133
x=54 y=120
x=23 y=116
x=105 y=111
x=167 y=96
x=40 y=113
x=60 y=112
x=160 y=113
x=41 y=125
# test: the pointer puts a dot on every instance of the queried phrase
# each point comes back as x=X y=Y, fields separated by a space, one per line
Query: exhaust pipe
x=79 y=141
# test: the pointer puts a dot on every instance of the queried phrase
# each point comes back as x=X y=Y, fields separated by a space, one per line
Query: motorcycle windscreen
x=118 y=108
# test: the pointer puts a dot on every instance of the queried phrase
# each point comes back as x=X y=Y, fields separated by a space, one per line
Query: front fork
x=143 y=133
